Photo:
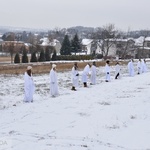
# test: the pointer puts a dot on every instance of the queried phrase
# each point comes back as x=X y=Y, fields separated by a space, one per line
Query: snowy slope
x=107 y=116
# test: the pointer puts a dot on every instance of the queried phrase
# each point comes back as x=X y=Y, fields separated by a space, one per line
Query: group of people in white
x=89 y=72
x=141 y=67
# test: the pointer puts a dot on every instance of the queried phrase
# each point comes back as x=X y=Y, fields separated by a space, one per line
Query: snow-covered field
x=106 y=116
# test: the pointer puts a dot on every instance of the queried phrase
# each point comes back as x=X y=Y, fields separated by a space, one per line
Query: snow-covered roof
x=27 y=44
x=145 y=48
x=46 y=42
x=139 y=41
x=86 y=41
x=147 y=39
x=121 y=40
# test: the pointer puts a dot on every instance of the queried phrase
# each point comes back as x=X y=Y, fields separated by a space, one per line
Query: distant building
x=86 y=46
x=142 y=47
x=44 y=42
x=17 y=46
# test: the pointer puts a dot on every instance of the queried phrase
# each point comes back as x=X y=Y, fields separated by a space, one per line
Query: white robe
x=131 y=68
x=144 y=67
x=85 y=73
x=117 y=69
x=107 y=72
x=74 y=77
x=139 y=67
x=53 y=83
x=29 y=88
x=93 y=74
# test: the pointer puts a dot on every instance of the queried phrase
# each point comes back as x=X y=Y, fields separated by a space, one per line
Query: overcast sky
x=125 y=14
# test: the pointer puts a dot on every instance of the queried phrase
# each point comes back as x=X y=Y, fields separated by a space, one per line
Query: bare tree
x=11 y=50
x=145 y=34
x=126 y=45
x=107 y=37
x=141 y=48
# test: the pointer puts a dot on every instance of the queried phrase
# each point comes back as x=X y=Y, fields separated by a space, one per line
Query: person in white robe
x=53 y=82
x=131 y=68
x=107 y=71
x=144 y=66
x=29 y=86
x=75 y=76
x=139 y=66
x=93 y=73
x=117 y=70
x=85 y=74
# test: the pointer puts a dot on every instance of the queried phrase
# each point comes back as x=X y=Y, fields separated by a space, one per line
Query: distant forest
x=83 y=32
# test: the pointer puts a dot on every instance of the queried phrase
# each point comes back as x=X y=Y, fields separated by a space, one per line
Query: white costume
x=139 y=67
x=93 y=74
x=53 y=82
x=144 y=66
x=107 y=72
x=75 y=77
x=117 y=70
x=85 y=73
x=29 y=88
x=131 y=68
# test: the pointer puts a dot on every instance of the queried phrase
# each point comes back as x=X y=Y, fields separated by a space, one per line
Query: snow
x=46 y=42
x=105 y=116
x=139 y=41
x=86 y=41
x=147 y=39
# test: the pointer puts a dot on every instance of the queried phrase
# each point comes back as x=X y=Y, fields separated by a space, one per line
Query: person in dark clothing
x=117 y=70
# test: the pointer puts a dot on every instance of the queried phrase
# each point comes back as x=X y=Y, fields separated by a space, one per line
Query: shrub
x=33 y=57
x=24 y=57
x=17 y=58
x=42 y=56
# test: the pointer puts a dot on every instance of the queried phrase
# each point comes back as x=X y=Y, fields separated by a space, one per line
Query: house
x=45 y=42
x=142 y=47
x=86 y=46
x=108 y=47
x=147 y=42
x=113 y=48
x=125 y=48
x=16 y=45
x=90 y=46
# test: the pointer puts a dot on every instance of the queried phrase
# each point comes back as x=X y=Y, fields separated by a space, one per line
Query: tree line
x=71 y=40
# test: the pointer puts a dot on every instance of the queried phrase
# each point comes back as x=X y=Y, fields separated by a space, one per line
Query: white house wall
x=112 y=51
x=88 y=49
x=98 y=50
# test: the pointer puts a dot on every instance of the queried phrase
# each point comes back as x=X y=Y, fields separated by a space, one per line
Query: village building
x=45 y=42
x=142 y=47
x=90 y=46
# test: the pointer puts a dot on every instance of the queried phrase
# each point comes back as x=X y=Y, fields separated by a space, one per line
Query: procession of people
x=89 y=74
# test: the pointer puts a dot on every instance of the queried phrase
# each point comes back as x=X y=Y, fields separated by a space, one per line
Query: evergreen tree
x=54 y=56
x=75 y=44
x=33 y=57
x=24 y=56
x=66 y=46
x=47 y=54
x=42 y=56
x=4 y=37
x=17 y=58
